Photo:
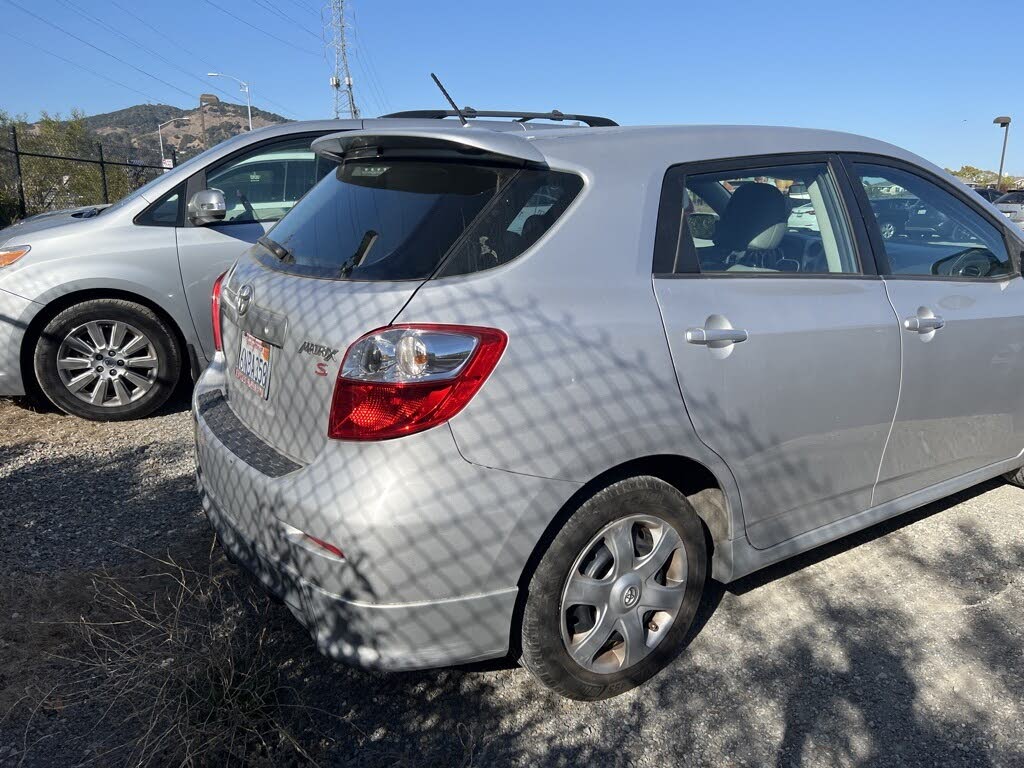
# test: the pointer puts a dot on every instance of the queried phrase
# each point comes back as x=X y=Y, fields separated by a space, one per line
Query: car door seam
x=899 y=394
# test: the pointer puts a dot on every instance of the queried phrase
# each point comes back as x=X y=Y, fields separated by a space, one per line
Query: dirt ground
x=902 y=645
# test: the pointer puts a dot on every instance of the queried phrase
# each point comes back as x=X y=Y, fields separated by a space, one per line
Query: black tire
x=1016 y=477
x=164 y=376
x=544 y=653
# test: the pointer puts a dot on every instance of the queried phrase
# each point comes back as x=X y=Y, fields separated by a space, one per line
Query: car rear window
x=403 y=220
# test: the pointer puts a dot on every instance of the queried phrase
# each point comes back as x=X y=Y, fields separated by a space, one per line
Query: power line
x=290 y=19
x=137 y=44
x=306 y=7
x=163 y=35
x=367 y=61
x=97 y=48
x=290 y=46
x=94 y=73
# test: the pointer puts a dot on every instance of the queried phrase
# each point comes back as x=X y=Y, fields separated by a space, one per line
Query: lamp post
x=159 y=133
x=1004 y=123
x=243 y=86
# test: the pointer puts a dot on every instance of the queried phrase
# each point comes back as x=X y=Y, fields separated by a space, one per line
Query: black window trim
x=867 y=213
x=197 y=181
x=669 y=230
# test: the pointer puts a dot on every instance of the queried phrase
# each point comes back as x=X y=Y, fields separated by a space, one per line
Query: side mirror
x=207 y=206
x=702 y=225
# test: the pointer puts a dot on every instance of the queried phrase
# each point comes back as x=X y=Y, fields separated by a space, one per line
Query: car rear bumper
x=434 y=546
x=15 y=315
x=390 y=637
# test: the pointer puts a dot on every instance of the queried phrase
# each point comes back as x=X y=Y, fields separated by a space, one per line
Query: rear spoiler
x=465 y=143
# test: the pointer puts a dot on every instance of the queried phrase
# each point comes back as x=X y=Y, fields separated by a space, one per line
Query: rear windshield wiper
x=357 y=258
x=283 y=254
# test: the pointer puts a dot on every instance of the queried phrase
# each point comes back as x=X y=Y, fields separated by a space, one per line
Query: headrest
x=755 y=219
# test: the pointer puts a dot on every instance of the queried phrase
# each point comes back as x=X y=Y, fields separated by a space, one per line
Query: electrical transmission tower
x=341 y=79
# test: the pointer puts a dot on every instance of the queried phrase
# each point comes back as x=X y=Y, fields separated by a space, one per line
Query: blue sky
x=929 y=77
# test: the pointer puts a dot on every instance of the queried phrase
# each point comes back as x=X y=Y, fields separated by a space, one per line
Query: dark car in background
x=989 y=193
x=892 y=214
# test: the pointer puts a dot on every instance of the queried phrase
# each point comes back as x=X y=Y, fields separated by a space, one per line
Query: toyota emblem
x=243 y=299
x=631 y=596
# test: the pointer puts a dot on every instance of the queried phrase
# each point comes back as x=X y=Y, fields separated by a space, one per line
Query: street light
x=243 y=85
x=159 y=128
x=1004 y=123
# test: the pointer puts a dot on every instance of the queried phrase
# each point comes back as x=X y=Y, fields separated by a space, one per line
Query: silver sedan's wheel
x=107 y=359
x=888 y=230
x=623 y=593
x=107 y=363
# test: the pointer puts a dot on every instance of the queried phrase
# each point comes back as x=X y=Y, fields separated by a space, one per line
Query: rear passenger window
x=784 y=219
x=926 y=230
x=523 y=212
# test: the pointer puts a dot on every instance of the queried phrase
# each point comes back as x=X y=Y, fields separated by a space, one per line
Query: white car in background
x=803 y=217
x=1012 y=204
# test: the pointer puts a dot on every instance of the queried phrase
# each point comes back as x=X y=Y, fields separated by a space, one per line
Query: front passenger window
x=928 y=231
x=265 y=183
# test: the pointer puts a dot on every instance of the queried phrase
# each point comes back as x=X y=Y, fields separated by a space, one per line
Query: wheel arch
x=66 y=300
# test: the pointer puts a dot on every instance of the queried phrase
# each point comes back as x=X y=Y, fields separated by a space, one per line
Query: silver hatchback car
x=486 y=393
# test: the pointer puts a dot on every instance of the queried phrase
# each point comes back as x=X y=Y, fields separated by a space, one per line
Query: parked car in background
x=481 y=393
x=803 y=217
x=927 y=221
x=102 y=309
x=892 y=214
x=1012 y=205
x=989 y=193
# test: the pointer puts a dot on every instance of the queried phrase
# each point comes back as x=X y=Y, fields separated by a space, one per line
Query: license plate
x=253 y=368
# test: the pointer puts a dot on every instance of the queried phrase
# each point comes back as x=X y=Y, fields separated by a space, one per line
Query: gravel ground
x=903 y=645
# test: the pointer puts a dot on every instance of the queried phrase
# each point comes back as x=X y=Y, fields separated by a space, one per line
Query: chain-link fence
x=39 y=173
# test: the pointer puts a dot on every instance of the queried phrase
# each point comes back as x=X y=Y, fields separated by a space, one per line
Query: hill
x=137 y=125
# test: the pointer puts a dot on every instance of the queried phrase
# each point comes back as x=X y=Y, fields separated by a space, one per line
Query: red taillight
x=218 y=340
x=404 y=379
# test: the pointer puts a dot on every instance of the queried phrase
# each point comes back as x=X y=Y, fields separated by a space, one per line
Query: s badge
x=321 y=369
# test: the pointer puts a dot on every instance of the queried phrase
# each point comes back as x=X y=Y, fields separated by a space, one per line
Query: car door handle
x=919 y=324
x=712 y=335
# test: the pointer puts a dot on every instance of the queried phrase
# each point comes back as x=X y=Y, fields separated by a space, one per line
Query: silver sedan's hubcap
x=888 y=230
x=107 y=363
x=623 y=593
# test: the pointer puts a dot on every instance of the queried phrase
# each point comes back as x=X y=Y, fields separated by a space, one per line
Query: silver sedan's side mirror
x=207 y=206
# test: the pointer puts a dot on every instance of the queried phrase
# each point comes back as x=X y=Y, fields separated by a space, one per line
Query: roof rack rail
x=522 y=117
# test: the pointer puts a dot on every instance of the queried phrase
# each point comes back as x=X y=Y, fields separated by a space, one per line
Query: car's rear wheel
x=889 y=229
x=613 y=597
x=107 y=360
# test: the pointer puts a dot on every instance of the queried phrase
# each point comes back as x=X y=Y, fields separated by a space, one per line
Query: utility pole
x=341 y=79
